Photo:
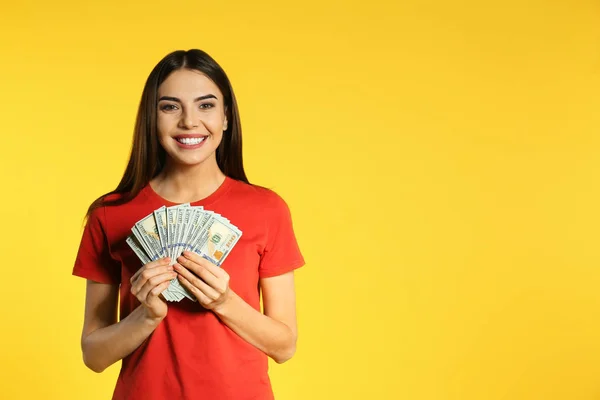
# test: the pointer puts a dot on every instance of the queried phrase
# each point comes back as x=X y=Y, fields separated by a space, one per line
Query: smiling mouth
x=190 y=140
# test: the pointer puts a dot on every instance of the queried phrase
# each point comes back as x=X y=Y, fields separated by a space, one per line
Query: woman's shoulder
x=112 y=197
x=263 y=200
x=113 y=202
x=257 y=193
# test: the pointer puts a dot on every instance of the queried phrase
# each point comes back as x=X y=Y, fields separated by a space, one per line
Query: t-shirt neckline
x=211 y=198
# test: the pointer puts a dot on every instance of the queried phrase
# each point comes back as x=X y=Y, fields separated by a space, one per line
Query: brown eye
x=168 y=107
x=206 y=106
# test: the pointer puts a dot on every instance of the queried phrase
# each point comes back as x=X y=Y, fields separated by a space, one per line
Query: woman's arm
x=103 y=340
x=274 y=332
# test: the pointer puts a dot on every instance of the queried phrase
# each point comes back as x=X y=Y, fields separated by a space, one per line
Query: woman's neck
x=185 y=184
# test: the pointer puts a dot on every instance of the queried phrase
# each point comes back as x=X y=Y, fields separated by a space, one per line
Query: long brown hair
x=147 y=157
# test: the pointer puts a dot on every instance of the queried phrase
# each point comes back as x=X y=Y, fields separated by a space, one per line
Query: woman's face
x=191 y=117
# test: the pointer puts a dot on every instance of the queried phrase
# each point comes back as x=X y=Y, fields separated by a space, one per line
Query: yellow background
x=440 y=159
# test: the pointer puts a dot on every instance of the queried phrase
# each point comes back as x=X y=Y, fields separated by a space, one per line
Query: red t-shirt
x=192 y=354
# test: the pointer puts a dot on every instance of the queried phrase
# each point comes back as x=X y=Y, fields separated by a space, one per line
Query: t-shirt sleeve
x=93 y=260
x=281 y=253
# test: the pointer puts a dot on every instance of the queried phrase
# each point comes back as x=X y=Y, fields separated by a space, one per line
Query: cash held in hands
x=169 y=231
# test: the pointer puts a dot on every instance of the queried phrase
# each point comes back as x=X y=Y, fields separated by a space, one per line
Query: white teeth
x=191 y=141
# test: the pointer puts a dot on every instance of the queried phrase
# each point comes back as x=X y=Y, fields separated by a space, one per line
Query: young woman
x=187 y=148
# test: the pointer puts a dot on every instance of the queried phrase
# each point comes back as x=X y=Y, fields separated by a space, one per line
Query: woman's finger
x=150 y=265
x=156 y=292
x=153 y=283
x=189 y=264
x=148 y=274
x=202 y=298
x=206 y=289
x=186 y=267
x=203 y=262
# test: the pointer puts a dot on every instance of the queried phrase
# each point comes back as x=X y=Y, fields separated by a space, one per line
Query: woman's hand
x=148 y=283
x=206 y=281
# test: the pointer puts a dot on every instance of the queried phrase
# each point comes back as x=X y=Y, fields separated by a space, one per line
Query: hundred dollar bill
x=191 y=222
x=160 y=216
x=149 y=231
x=172 y=229
x=185 y=219
x=137 y=249
x=175 y=227
x=171 y=219
x=195 y=219
x=198 y=223
x=139 y=237
x=178 y=226
x=178 y=292
x=218 y=240
x=182 y=221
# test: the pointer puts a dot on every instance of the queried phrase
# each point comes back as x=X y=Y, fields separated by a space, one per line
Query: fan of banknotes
x=169 y=231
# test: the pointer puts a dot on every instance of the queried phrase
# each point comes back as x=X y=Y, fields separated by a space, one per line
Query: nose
x=189 y=119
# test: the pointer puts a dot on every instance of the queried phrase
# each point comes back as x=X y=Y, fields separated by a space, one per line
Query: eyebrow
x=207 y=96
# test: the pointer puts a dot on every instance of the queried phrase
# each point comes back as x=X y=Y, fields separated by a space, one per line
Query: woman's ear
x=226 y=112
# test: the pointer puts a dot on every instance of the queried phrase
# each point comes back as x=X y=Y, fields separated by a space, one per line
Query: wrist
x=223 y=309
x=148 y=320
